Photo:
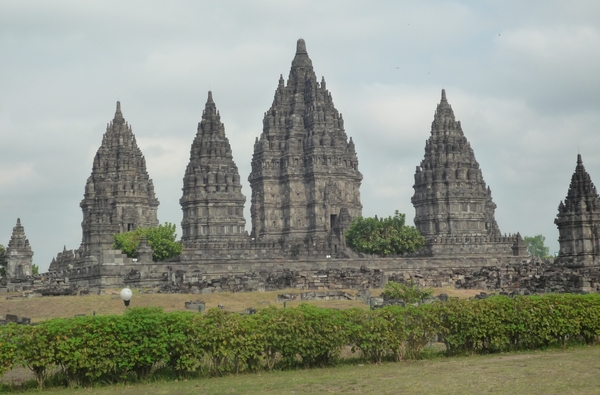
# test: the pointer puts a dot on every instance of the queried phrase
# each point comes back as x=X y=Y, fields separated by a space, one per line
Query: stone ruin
x=212 y=201
x=119 y=194
x=454 y=207
x=578 y=221
x=305 y=180
x=305 y=187
x=19 y=255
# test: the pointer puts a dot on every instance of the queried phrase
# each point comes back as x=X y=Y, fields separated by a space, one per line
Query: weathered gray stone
x=19 y=255
x=305 y=179
x=119 y=194
x=453 y=205
x=578 y=221
x=197 y=305
x=212 y=201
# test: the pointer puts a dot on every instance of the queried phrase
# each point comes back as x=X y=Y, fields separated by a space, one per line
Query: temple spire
x=19 y=255
x=303 y=124
x=578 y=220
x=448 y=174
x=212 y=201
x=119 y=195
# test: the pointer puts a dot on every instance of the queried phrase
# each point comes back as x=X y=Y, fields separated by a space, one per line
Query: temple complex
x=578 y=221
x=305 y=187
x=305 y=180
x=19 y=255
x=452 y=202
x=119 y=194
x=212 y=201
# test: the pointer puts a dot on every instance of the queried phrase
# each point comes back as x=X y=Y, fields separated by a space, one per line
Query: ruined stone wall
x=506 y=274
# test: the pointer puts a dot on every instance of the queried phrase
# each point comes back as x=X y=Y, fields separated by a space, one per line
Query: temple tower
x=119 y=194
x=451 y=197
x=304 y=169
x=578 y=221
x=19 y=256
x=212 y=201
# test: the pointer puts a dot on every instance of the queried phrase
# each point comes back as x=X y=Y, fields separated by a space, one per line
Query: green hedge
x=131 y=346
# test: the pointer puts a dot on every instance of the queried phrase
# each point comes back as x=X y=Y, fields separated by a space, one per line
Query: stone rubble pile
x=263 y=281
x=327 y=295
x=11 y=318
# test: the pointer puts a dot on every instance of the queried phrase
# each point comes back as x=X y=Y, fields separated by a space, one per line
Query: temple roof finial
x=579 y=161
x=210 y=98
x=301 y=46
x=301 y=59
x=444 y=95
x=118 y=113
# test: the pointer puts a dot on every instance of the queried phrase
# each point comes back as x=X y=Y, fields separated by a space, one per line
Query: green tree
x=386 y=236
x=2 y=260
x=161 y=239
x=35 y=269
x=409 y=292
x=535 y=246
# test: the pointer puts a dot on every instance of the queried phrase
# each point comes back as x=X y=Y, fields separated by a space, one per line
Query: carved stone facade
x=19 y=255
x=454 y=207
x=305 y=174
x=212 y=201
x=119 y=194
x=578 y=221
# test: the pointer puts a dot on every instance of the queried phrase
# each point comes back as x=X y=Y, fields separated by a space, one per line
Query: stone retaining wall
x=508 y=274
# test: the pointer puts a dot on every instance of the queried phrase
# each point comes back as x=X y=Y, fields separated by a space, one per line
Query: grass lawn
x=39 y=309
x=557 y=371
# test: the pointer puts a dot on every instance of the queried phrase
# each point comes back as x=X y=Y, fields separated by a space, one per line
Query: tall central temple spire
x=119 y=194
x=305 y=180
x=451 y=197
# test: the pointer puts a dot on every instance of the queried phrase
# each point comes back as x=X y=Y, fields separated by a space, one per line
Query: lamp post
x=126 y=296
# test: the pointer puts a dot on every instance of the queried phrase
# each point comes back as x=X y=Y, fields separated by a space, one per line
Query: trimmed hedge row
x=117 y=348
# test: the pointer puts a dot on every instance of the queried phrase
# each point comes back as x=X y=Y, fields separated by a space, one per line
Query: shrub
x=409 y=292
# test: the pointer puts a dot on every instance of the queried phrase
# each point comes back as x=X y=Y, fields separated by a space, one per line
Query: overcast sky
x=523 y=77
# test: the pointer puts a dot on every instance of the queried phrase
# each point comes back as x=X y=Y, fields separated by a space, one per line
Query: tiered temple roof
x=578 y=220
x=304 y=169
x=119 y=194
x=451 y=197
x=212 y=201
x=19 y=255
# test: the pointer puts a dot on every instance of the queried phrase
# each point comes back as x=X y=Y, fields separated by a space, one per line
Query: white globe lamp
x=126 y=296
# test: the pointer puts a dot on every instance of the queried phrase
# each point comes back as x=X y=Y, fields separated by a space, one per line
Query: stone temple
x=212 y=201
x=305 y=180
x=453 y=205
x=19 y=255
x=578 y=221
x=119 y=194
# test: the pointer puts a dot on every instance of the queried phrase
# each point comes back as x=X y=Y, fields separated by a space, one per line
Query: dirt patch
x=503 y=358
